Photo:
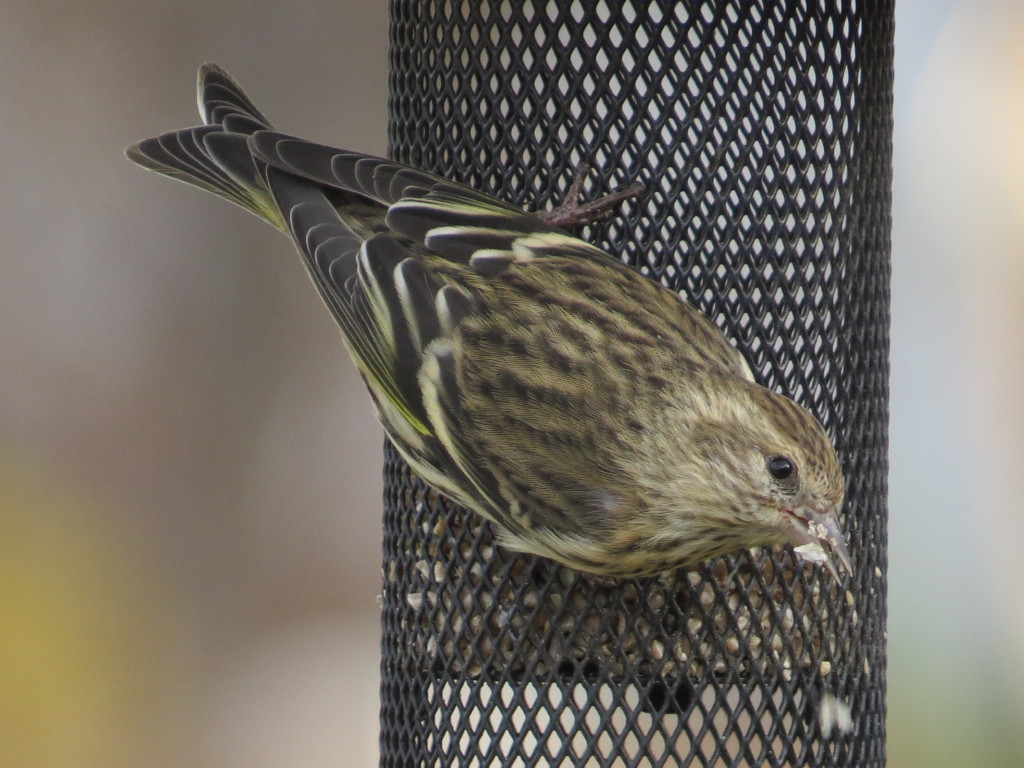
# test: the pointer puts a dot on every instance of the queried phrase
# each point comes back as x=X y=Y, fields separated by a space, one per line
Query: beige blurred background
x=189 y=472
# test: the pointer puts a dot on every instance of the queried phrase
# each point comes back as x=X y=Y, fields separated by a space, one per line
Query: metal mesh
x=763 y=133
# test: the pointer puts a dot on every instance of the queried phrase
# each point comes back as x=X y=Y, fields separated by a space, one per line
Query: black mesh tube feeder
x=762 y=131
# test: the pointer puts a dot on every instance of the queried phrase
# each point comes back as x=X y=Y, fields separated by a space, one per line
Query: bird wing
x=487 y=334
x=368 y=285
x=377 y=237
x=450 y=220
x=395 y=315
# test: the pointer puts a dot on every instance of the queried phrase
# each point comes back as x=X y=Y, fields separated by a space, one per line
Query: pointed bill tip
x=837 y=543
x=815 y=534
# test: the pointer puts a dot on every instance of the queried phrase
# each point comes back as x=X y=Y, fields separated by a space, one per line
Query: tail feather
x=220 y=97
x=215 y=156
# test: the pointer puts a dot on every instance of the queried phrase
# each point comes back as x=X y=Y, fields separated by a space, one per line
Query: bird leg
x=572 y=214
x=599 y=580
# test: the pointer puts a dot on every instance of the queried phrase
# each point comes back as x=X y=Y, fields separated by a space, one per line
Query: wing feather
x=354 y=279
x=449 y=219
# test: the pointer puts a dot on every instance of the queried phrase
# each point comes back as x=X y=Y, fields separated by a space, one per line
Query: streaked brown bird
x=592 y=415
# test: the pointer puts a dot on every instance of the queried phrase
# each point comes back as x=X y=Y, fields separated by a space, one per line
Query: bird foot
x=572 y=214
x=598 y=580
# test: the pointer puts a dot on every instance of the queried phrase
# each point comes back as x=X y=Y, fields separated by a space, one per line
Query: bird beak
x=814 y=532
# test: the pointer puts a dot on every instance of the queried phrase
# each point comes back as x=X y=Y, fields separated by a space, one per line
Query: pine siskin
x=594 y=416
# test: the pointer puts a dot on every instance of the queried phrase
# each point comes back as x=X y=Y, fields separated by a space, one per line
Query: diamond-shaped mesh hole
x=763 y=134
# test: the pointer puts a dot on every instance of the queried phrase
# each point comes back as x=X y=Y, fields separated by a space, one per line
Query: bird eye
x=781 y=467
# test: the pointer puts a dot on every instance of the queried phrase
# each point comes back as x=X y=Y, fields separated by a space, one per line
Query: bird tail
x=215 y=156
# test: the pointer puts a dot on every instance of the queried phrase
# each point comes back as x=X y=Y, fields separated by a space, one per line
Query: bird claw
x=600 y=580
x=572 y=214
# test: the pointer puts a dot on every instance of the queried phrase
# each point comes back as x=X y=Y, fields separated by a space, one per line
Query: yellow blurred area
x=82 y=643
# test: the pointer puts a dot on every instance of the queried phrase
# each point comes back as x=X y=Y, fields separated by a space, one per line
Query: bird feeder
x=763 y=133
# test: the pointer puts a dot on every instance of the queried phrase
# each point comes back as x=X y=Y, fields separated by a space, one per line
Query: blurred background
x=189 y=469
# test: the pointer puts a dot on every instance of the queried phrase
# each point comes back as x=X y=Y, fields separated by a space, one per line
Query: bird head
x=749 y=467
x=785 y=474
